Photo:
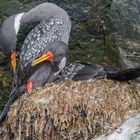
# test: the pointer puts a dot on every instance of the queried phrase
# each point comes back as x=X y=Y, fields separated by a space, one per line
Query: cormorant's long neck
x=42 y=12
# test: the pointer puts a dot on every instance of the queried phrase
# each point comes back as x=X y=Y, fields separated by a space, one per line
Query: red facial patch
x=49 y=56
x=29 y=86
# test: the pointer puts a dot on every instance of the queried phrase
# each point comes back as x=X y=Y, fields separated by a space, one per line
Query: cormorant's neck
x=17 y=22
x=43 y=12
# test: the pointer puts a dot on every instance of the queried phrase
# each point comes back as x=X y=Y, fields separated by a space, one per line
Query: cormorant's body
x=86 y=71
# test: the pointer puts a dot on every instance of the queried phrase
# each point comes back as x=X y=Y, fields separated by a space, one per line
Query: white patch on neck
x=17 y=22
x=61 y=65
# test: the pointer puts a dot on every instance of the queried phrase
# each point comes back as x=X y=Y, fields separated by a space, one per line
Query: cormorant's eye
x=53 y=50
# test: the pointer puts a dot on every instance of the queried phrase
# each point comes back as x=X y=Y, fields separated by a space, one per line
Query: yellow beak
x=13 y=61
x=45 y=57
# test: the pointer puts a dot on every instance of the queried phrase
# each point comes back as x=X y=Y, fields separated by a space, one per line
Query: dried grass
x=72 y=110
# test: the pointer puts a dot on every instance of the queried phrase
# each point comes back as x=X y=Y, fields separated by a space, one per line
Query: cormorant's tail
x=15 y=93
x=124 y=75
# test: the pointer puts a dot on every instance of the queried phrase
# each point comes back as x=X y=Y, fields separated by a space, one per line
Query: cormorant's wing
x=90 y=71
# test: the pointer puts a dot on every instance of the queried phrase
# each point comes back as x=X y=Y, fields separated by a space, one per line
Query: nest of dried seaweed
x=71 y=110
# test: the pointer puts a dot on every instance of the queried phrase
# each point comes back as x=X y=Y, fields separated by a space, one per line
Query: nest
x=71 y=110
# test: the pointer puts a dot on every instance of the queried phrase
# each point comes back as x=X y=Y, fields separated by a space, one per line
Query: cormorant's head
x=8 y=37
x=57 y=54
x=60 y=51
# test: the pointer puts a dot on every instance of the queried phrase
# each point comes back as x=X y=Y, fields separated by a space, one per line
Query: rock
x=5 y=81
x=123 y=30
x=129 y=130
x=2 y=58
x=72 y=110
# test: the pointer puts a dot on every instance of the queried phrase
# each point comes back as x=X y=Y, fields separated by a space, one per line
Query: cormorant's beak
x=45 y=57
x=13 y=61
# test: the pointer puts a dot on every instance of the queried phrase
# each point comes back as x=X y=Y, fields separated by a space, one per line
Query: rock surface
x=129 y=130
x=122 y=27
x=72 y=110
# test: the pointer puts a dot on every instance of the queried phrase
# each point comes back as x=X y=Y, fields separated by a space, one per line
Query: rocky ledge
x=123 y=31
